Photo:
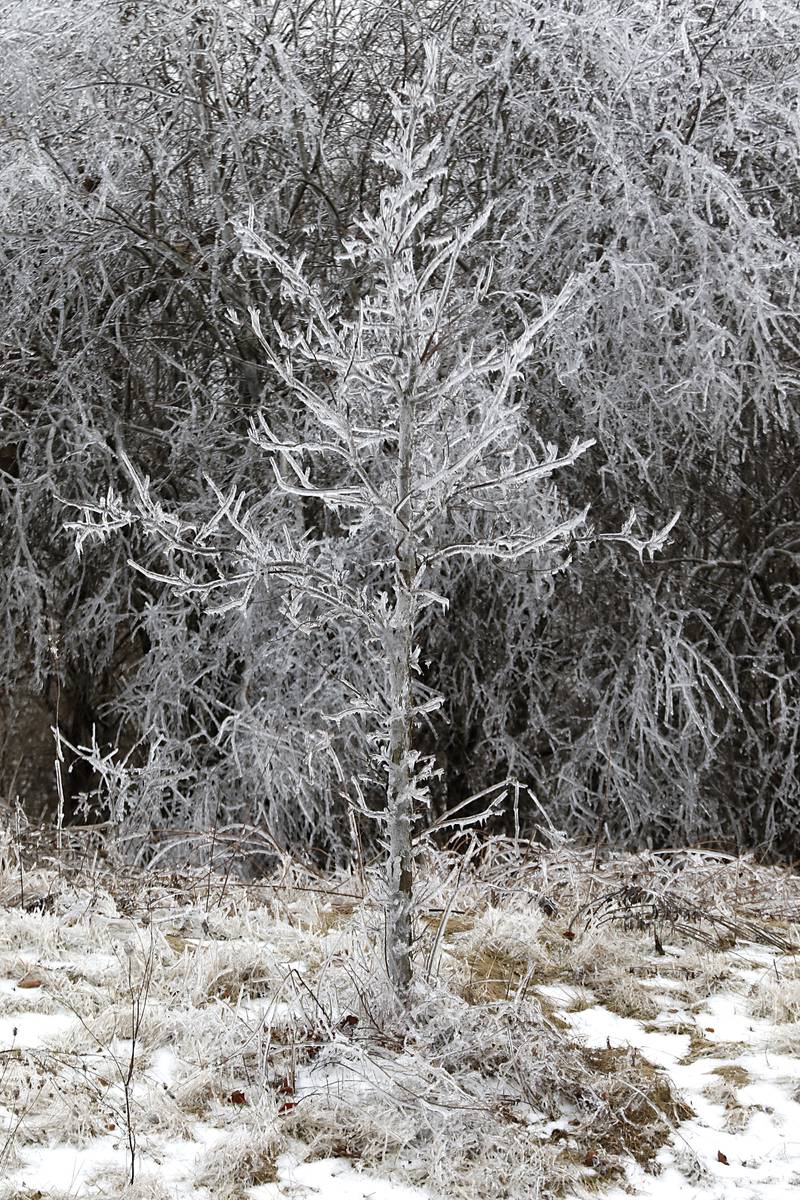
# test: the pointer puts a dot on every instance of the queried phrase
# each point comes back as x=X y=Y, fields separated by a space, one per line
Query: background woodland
x=643 y=156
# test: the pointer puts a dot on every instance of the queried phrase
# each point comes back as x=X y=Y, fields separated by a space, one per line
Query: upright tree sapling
x=409 y=433
x=399 y=424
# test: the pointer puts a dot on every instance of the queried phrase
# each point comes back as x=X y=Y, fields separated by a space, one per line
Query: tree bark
x=400 y=792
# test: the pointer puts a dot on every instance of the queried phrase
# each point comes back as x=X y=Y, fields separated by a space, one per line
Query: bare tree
x=408 y=430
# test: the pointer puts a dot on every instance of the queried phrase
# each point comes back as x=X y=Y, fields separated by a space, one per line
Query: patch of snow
x=599 y=1027
x=331 y=1179
x=32 y=1030
x=163 y=1067
x=725 y=1018
x=67 y=1168
x=773 y=1065
x=564 y=994
x=663 y=983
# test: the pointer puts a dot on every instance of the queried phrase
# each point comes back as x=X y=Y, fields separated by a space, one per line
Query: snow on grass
x=330 y=1177
x=238 y=1043
x=599 y=1027
x=65 y=1168
x=32 y=1030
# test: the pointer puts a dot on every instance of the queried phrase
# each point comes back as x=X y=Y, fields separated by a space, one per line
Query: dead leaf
x=722 y=1158
x=30 y=981
x=238 y=1097
x=176 y=942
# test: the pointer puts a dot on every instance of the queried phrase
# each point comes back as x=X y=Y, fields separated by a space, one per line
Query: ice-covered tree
x=411 y=437
x=408 y=432
x=397 y=416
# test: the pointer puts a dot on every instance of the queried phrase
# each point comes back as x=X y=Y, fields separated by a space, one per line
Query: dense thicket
x=644 y=153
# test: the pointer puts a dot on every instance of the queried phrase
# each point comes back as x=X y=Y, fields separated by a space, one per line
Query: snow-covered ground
x=215 y=1040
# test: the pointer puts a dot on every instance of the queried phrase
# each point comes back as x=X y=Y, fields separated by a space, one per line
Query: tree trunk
x=400 y=793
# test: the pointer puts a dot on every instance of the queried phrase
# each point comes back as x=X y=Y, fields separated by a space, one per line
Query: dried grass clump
x=722 y=1091
x=16 y=1002
x=116 y=1022
x=776 y=999
x=51 y=1100
x=627 y=996
x=734 y=1074
x=639 y=1109
x=494 y=956
x=495 y=975
x=245 y=1159
x=507 y=960
x=696 y=895
x=115 y=1185
x=701 y=1047
x=785 y=1040
x=465 y=1104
